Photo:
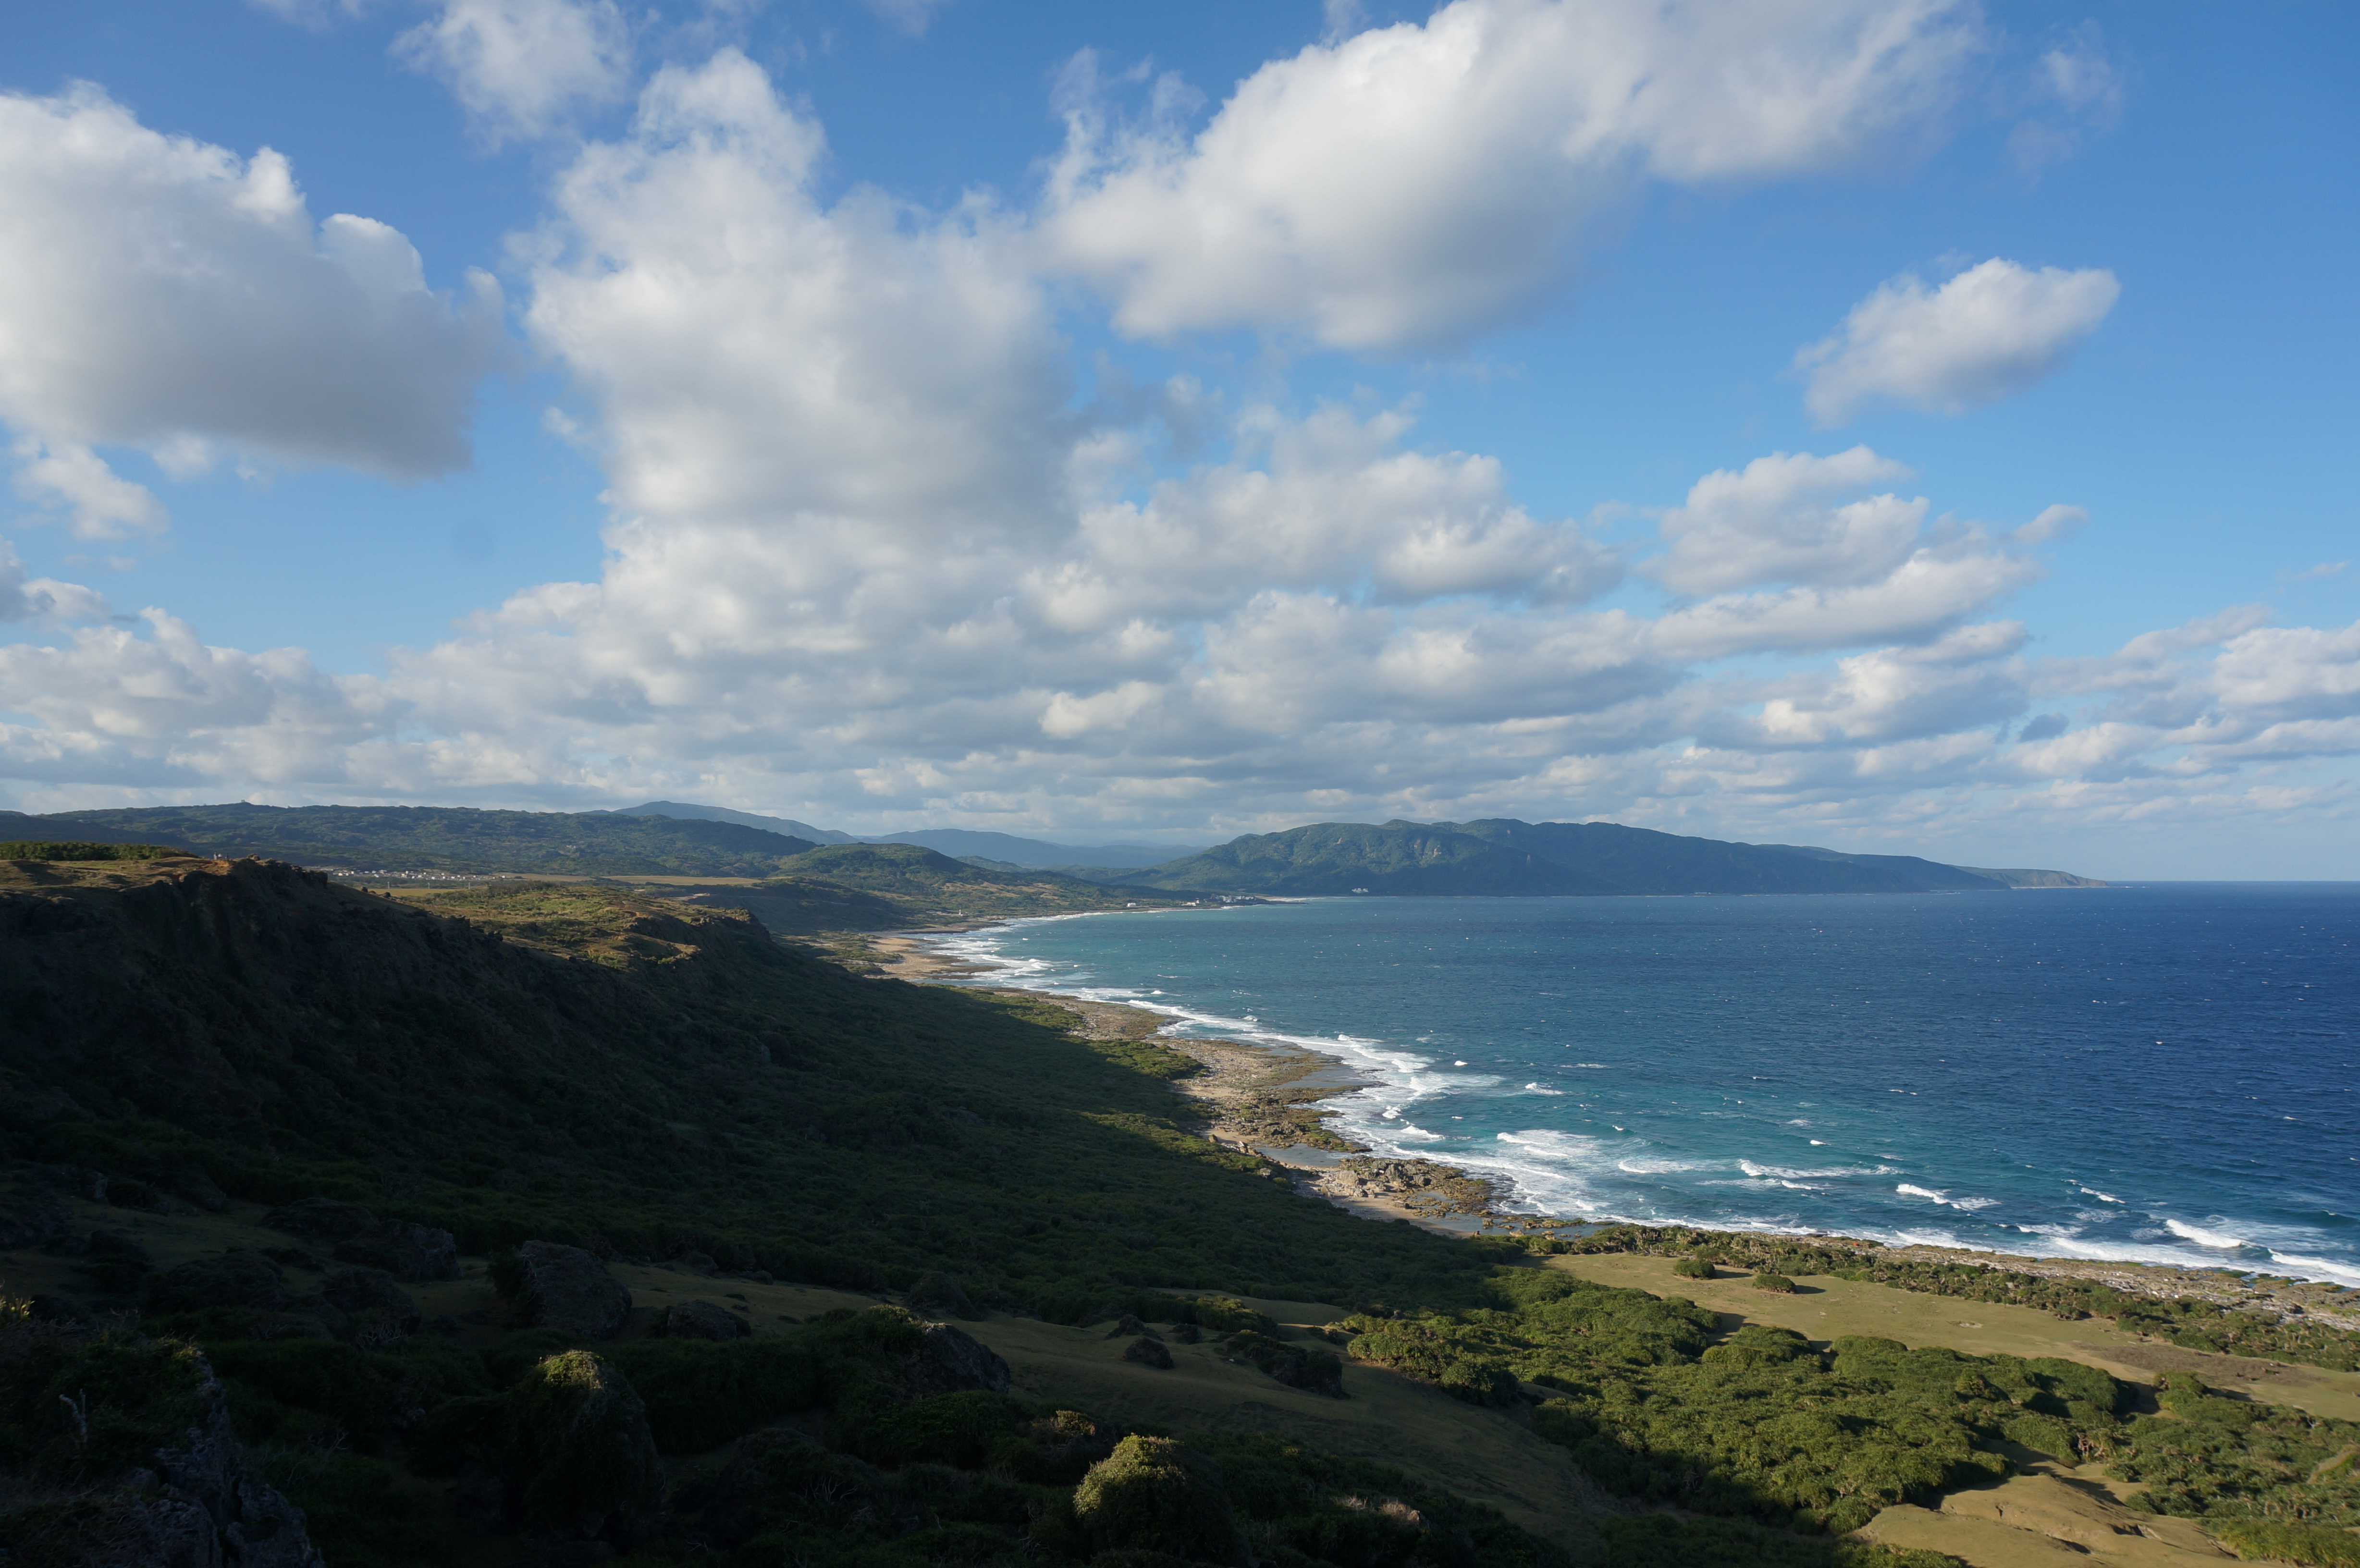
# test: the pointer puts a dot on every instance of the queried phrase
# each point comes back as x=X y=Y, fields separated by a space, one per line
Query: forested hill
x=1501 y=856
x=434 y=838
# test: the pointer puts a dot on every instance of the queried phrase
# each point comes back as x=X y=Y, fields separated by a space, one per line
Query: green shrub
x=1152 y=1494
x=1778 y=1283
x=1693 y=1268
x=948 y=1429
x=2279 y=1543
x=700 y=1394
x=77 y=1408
x=40 y=849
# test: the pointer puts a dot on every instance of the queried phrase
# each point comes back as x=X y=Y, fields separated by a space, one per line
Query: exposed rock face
x=565 y=1287
x=1421 y=1186
x=74 y=1181
x=1152 y=1494
x=369 y=1308
x=184 y=1500
x=403 y=1250
x=322 y=1217
x=951 y=1361
x=255 y=1527
x=230 y=1280
x=703 y=1320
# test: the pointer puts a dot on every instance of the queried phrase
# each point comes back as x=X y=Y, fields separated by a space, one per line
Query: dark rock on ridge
x=404 y=1250
x=701 y=1320
x=567 y=1289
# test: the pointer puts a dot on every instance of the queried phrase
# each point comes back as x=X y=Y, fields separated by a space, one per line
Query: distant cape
x=1501 y=856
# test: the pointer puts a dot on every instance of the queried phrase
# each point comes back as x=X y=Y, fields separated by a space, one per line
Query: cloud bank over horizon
x=887 y=543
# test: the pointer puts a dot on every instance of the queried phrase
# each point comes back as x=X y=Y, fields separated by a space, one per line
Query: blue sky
x=1887 y=423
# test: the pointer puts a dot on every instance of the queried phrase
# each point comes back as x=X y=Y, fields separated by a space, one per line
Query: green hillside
x=438 y=838
x=940 y=884
x=1402 y=858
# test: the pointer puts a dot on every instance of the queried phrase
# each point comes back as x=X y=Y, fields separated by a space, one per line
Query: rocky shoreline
x=1267 y=1101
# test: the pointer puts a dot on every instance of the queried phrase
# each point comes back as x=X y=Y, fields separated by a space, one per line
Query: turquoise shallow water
x=2163 y=1073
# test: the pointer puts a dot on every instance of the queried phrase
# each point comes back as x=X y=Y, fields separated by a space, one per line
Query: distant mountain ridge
x=1494 y=857
x=958 y=842
x=440 y=838
x=1504 y=857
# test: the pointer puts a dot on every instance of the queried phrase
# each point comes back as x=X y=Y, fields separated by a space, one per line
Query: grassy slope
x=538 y=1060
x=928 y=881
x=443 y=838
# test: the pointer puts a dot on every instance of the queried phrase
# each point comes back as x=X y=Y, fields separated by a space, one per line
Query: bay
x=2160 y=1072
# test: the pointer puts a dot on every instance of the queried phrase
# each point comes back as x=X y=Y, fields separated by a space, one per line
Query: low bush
x=702 y=1393
x=2278 y=1542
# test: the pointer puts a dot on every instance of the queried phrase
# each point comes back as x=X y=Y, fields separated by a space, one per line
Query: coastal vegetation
x=545 y=1070
x=2182 y=1321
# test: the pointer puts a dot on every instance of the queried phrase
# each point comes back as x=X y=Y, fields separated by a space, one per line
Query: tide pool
x=2161 y=1072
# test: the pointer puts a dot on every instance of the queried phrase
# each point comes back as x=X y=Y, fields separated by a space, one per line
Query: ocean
x=2161 y=1072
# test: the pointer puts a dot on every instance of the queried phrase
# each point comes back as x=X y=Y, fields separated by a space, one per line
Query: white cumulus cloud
x=1991 y=330
x=1421 y=181
x=523 y=68
x=159 y=292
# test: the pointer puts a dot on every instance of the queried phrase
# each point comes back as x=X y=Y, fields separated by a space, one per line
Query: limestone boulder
x=368 y=1308
x=404 y=1250
x=701 y=1320
x=1148 y=1352
x=952 y=1361
x=564 y=1288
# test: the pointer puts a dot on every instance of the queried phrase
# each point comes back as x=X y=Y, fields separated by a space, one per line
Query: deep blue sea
x=2166 y=1073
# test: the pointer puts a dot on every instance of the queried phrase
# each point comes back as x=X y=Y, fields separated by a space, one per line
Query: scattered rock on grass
x=566 y=1288
x=374 y=1310
x=701 y=1320
x=403 y=1250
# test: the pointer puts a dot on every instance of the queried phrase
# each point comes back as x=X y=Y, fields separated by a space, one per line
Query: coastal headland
x=390 y=1194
